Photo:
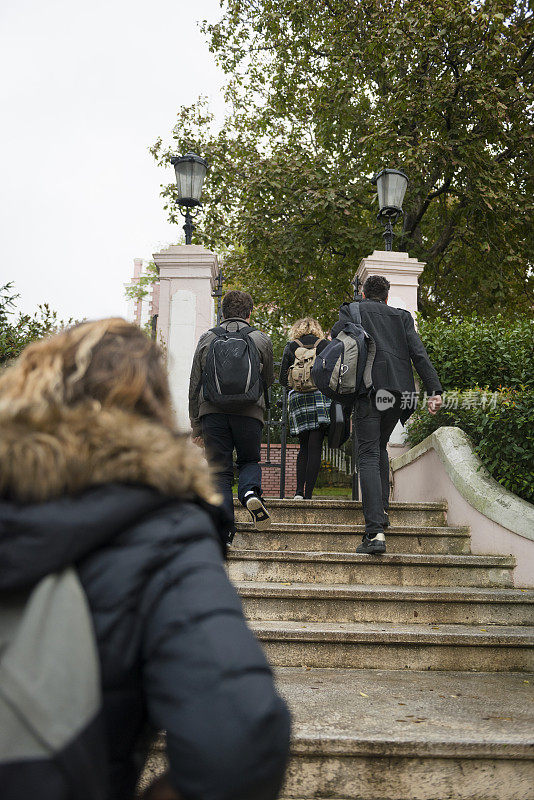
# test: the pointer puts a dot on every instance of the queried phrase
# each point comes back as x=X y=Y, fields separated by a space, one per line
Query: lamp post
x=190 y=173
x=391 y=187
x=217 y=295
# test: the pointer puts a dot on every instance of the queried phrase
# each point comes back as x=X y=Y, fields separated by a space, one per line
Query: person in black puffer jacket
x=92 y=473
x=309 y=411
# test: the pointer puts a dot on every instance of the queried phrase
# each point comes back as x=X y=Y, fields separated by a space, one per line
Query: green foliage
x=502 y=433
x=481 y=352
x=17 y=331
x=323 y=94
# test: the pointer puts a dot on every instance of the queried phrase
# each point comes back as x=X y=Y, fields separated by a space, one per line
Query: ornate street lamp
x=391 y=187
x=190 y=173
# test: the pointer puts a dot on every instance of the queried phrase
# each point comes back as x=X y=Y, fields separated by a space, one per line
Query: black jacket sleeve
x=420 y=358
x=288 y=358
x=207 y=682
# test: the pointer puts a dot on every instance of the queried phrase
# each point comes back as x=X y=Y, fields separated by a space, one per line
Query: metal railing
x=338 y=458
x=281 y=424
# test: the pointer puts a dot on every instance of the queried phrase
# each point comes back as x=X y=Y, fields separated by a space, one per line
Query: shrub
x=18 y=331
x=493 y=352
x=501 y=428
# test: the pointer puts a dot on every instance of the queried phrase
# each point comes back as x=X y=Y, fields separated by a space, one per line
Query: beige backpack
x=299 y=375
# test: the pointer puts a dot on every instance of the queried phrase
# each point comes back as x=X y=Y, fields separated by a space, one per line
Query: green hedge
x=501 y=427
x=493 y=352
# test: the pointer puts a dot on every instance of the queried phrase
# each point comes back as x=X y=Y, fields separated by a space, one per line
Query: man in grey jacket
x=222 y=431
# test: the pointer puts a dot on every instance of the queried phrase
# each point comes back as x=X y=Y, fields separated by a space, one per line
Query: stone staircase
x=407 y=673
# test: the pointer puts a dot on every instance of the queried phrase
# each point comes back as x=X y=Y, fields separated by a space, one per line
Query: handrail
x=270 y=423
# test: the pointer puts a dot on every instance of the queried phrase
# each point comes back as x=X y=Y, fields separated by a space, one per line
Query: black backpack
x=232 y=378
x=343 y=369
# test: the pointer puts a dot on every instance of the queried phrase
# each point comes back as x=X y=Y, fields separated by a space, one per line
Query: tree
x=325 y=92
x=17 y=331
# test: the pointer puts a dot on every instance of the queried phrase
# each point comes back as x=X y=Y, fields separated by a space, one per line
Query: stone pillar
x=187 y=278
x=401 y=271
x=403 y=274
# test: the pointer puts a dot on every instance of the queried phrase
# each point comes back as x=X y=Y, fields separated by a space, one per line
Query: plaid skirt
x=307 y=411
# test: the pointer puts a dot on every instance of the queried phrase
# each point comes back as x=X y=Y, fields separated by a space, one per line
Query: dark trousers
x=222 y=433
x=309 y=461
x=373 y=429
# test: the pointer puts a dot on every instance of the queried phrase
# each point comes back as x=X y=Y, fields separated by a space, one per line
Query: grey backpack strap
x=368 y=371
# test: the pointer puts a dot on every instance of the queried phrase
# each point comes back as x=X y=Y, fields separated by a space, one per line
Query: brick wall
x=271 y=475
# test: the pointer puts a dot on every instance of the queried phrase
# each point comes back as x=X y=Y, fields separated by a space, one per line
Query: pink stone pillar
x=186 y=310
x=403 y=274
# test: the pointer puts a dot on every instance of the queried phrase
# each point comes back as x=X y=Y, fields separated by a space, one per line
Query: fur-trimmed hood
x=63 y=451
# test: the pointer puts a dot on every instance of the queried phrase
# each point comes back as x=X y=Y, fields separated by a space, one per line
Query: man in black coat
x=392 y=399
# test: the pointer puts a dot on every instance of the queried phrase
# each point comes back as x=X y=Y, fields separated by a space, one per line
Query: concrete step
x=347 y=512
x=346 y=538
x=395 y=735
x=390 y=569
x=394 y=646
x=304 y=602
x=379 y=735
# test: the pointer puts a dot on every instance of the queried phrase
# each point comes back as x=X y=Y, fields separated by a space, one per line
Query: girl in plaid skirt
x=309 y=411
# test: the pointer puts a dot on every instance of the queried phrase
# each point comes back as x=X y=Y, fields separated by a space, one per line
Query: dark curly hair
x=236 y=304
x=376 y=287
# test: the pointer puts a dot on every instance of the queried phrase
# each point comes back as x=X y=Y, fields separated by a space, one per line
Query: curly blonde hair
x=92 y=405
x=304 y=326
x=109 y=362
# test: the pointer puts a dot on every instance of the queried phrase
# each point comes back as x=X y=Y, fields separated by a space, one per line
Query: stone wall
x=444 y=466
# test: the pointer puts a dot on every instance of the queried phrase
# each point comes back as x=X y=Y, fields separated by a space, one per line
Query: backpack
x=51 y=739
x=344 y=367
x=299 y=374
x=231 y=378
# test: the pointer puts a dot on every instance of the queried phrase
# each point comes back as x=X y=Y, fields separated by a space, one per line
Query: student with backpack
x=117 y=618
x=308 y=408
x=231 y=373
x=369 y=363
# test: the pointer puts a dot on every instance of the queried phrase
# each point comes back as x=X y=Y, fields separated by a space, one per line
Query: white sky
x=86 y=88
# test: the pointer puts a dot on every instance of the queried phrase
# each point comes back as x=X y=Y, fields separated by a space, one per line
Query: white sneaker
x=260 y=516
x=298 y=497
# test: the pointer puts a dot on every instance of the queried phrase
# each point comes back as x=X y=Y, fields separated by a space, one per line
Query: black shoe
x=230 y=537
x=375 y=544
x=260 y=516
x=386 y=520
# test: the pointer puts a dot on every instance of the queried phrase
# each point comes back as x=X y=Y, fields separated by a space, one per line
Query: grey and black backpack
x=344 y=368
x=231 y=378
x=52 y=740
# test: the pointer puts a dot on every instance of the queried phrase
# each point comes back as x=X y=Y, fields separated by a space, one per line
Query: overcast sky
x=86 y=88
